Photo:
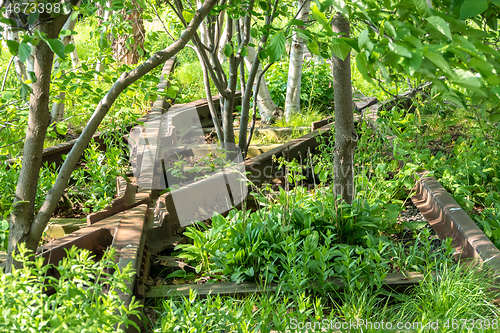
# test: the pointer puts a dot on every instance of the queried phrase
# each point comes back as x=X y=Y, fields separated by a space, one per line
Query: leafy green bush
x=33 y=301
x=316 y=90
x=306 y=238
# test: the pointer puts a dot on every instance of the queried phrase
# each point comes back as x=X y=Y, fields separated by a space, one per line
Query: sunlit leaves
x=364 y=39
x=321 y=19
x=362 y=65
x=422 y=6
x=188 y=15
x=400 y=50
x=440 y=25
x=466 y=79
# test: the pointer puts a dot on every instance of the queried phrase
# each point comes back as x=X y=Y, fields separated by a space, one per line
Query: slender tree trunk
x=227 y=112
x=129 y=53
x=38 y=122
x=292 y=100
x=267 y=107
x=205 y=39
x=345 y=133
x=58 y=108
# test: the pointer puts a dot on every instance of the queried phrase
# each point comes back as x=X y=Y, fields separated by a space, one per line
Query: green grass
x=86 y=41
x=457 y=295
x=305 y=118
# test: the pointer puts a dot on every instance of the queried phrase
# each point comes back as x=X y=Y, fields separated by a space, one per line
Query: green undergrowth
x=302 y=240
x=92 y=186
x=34 y=301
x=452 y=300
x=458 y=148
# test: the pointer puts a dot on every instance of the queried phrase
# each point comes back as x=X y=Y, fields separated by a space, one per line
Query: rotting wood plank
x=392 y=280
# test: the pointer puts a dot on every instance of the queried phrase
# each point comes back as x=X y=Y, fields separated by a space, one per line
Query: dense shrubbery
x=33 y=301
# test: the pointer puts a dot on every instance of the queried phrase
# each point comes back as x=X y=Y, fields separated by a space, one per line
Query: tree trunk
x=24 y=226
x=345 y=133
x=58 y=108
x=223 y=41
x=267 y=107
x=227 y=112
x=38 y=122
x=292 y=100
x=128 y=52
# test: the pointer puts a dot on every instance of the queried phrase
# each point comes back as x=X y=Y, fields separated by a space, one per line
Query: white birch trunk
x=266 y=105
x=223 y=42
x=292 y=100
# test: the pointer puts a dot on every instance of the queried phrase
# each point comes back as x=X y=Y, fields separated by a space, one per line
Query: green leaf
x=422 y=6
x=321 y=18
x=24 y=52
x=383 y=71
x=228 y=50
x=471 y=8
x=341 y=7
x=176 y=274
x=312 y=45
x=276 y=46
x=339 y=48
x=438 y=60
x=4 y=225
x=13 y=46
x=69 y=48
x=244 y=51
x=400 y=50
x=33 y=17
x=390 y=27
x=496 y=2
x=264 y=5
x=296 y=22
x=414 y=63
x=364 y=39
x=495 y=117
x=253 y=33
x=188 y=15
x=62 y=128
x=7 y=95
x=57 y=47
x=172 y=92
x=466 y=79
x=362 y=66
x=440 y=25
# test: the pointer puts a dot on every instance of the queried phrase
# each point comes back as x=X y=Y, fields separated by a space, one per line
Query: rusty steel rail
x=448 y=219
